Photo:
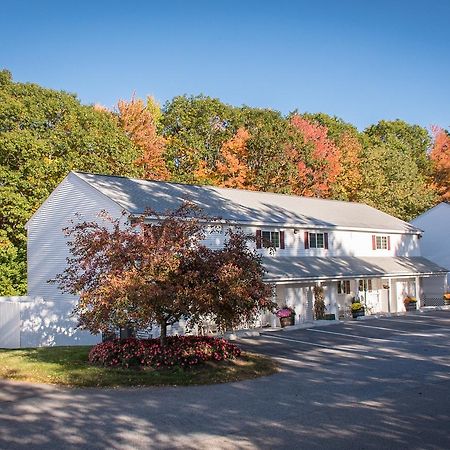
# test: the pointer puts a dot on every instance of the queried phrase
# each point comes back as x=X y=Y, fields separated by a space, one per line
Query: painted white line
x=350 y=335
x=296 y=340
x=415 y=321
x=380 y=328
x=344 y=349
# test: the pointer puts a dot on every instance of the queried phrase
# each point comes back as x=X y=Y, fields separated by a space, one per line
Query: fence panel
x=9 y=325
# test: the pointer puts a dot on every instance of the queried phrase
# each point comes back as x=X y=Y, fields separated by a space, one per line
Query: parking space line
x=295 y=340
x=380 y=328
x=350 y=335
x=338 y=349
x=414 y=321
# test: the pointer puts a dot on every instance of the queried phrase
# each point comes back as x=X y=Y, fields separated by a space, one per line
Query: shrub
x=183 y=351
x=356 y=306
x=408 y=300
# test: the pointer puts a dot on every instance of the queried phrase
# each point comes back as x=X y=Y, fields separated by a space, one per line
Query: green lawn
x=68 y=366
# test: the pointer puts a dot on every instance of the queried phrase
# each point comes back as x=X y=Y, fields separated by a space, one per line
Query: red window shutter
x=388 y=242
x=281 y=239
x=306 y=240
x=374 y=242
x=258 y=238
x=325 y=239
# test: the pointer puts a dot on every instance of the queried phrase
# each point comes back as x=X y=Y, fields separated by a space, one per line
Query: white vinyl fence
x=35 y=322
x=9 y=324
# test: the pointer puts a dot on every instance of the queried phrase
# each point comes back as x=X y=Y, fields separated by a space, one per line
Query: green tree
x=195 y=129
x=396 y=169
x=43 y=135
x=392 y=182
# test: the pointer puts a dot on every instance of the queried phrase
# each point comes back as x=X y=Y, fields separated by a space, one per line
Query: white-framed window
x=272 y=237
x=381 y=242
x=365 y=285
x=316 y=240
x=343 y=287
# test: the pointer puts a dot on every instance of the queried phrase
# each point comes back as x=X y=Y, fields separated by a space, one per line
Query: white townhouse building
x=435 y=245
x=350 y=249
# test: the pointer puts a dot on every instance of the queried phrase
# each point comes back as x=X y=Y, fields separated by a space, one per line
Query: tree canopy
x=397 y=167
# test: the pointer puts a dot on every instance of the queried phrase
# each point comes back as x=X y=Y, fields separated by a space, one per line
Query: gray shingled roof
x=315 y=268
x=242 y=206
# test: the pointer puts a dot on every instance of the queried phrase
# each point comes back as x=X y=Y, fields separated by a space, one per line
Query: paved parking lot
x=381 y=383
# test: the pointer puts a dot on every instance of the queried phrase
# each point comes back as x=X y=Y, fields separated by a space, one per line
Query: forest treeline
x=397 y=167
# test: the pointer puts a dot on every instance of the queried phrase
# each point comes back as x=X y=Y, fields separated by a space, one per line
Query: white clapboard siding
x=47 y=251
x=340 y=243
x=435 y=243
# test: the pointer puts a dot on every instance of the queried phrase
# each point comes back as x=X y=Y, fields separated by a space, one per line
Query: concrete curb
x=232 y=336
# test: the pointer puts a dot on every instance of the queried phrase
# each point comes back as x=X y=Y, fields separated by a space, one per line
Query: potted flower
x=357 y=309
x=446 y=298
x=410 y=303
x=286 y=316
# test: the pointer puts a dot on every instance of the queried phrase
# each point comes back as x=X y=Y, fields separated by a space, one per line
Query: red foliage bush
x=183 y=351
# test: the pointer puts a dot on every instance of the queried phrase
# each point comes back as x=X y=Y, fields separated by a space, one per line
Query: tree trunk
x=163 y=334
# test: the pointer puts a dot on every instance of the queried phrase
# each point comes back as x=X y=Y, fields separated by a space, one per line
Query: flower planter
x=287 y=321
x=412 y=306
x=358 y=313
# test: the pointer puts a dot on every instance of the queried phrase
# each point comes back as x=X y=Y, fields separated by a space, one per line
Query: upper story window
x=381 y=242
x=266 y=239
x=271 y=239
x=316 y=240
x=343 y=287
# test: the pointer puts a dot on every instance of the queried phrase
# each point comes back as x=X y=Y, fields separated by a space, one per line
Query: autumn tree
x=156 y=269
x=317 y=162
x=440 y=157
x=139 y=121
x=349 y=141
x=231 y=168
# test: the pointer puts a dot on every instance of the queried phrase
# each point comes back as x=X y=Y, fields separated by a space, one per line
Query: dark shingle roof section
x=316 y=268
x=242 y=206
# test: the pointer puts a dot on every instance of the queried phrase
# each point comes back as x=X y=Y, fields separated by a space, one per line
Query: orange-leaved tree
x=139 y=121
x=349 y=180
x=317 y=160
x=440 y=156
x=231 y=168
x=155 y=268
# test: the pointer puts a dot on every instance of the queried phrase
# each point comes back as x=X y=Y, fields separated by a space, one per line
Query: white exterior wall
x=435 y=242
x=340 y=243
x=47 y=252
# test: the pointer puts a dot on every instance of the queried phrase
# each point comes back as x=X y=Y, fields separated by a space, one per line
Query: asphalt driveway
x=381 y=383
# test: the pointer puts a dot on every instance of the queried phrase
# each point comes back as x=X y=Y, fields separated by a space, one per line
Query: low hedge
x=183 y=351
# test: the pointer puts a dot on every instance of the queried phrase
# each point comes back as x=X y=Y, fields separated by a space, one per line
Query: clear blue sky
x=360 y=60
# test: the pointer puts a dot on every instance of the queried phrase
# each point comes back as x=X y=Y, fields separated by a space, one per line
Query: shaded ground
x=382 y=383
